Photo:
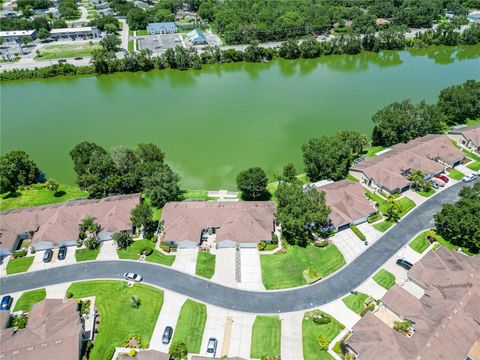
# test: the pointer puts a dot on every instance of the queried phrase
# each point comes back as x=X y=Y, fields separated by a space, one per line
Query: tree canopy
x=17 y=169
x=460 y=102
x=459 y=223
x=253 y=184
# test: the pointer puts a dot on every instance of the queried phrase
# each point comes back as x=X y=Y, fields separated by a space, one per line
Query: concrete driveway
x=38 y=263
x=241 y=335
x=186 y=260
x=108 y=251
x=214 y=328
x=251 y=270
x=225 y=267
x=291 y=341
x=350 y=245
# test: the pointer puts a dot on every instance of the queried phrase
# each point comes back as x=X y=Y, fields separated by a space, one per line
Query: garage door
x=187 y=244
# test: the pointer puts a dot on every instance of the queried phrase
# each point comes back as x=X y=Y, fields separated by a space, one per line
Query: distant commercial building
x=80 y=33
x=162 y=28
x=196 y=37
x=17 y=35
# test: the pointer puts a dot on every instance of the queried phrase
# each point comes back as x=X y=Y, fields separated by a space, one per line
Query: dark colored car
x=6 y=302
x=442 y=177
x=62 y=253
x=47 y=256
x=79 y=58
x=62 y=61
x=167 y=335
x=404 y=264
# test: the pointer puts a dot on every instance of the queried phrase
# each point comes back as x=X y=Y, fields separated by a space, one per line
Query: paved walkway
x=291 y=341
x=225 y=267
x=108 y=251
x=172 y=303
x=341 y=312
x=186 y=260
x=251 y=270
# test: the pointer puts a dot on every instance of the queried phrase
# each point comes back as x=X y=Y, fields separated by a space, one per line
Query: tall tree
x=289 y=173
x=460 y=102
x=142 y=217
x=81 y=155
x=326 y=158
x=17 y=169
x=123 y=239
x=162 y=186
x=253 y=183
x=355 y=140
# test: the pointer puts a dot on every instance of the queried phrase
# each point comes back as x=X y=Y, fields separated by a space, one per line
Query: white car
x=212 y=347
x=133 y=277
x=468 y=178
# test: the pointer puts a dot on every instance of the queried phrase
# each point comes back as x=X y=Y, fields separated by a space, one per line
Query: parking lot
x=159 y=43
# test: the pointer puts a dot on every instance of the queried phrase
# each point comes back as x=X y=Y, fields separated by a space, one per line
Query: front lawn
x=159 y=258
x=475 y=166
x=311 y=331
x=27 y=299
x=67 y=51
x=427 y=193
x=384 y=278
x=285 y=269
x=404 y=203
x=133 y=251
x=119 y=320
x=455 y=174
x=36 y=194
x=19 y=265
x=266 y=332
x=383 y=226
x=86 y=254
x=205 y=265
x=420 y=243
x=356 y=302
x=190 y=325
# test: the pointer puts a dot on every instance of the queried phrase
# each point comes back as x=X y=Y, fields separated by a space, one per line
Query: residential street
x=296 y=299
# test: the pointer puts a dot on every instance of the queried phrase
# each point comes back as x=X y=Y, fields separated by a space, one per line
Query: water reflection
x=361 y=62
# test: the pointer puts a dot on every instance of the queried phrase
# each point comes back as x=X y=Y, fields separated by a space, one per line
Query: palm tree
x=393 y=209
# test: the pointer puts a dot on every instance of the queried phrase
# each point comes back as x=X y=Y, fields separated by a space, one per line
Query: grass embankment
x=273 y=186
x=119 y=320
x=205 y=265
x=133 y=253
x=36 y=194
x=420 y=243
x=266 y=334
x=190 y=325
x=27 y=299
x=285 y=269
x=356 y=302
x=311 y=331
x=67 y=51
x=384 y=278
x=19 y=265
x=86 y=254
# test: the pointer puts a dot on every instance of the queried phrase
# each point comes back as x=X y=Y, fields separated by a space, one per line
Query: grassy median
x=205 y=265
x=384 y=278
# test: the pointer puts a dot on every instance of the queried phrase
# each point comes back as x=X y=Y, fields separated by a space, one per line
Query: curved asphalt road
x=297 y=299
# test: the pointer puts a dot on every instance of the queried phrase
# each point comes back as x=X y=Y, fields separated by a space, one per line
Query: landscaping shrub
x=271 y=247
x=358 y=233
x=132 y=352
x=135 y=301
x=274 y=239
x=320 y=243
x=322 y=319
x=323 y=342
x=84 y=306
x=32 y=250
x=374 y=218
x=20 y=321
x=19 y=254
x=69 y=294
x=261 y=245
x=146 y=250
x=165 y=247
x=403 y=327
x=370 y=307
x=79 y=243
x=311 y=275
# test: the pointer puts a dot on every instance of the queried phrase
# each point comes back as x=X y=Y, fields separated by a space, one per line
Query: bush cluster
x=357 y=232
x=321 y=243
x=19 y=254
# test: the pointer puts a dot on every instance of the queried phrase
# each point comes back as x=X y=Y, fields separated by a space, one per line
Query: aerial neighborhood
x=254 y=179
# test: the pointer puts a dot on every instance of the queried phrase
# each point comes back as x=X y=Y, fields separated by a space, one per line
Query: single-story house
x=445 y=320
x=83 y=33
x=44 y=227
x=246 y=223
x=468 y=136
x=196 y=37
x=162 y=28
x=347 y=202
x=54 y=331
x=17 y=35
x=389 y=170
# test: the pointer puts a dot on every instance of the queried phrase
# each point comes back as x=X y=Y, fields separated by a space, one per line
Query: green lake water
x=214 y=122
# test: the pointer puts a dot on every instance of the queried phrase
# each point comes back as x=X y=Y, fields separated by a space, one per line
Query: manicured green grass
x=446 y=243
x=384 y=278
x=190 y=325
x=420 y=243
x=197 y=195
x=159 y=258
x=266 y=332
x=157 y=212
x=86 y=254
x=133 y=251
x=404 y=203
x=455 y=174
x=36 y=194
x=371 y=152
x=311 y=331
x=119 y=320
x=284 y=270
x=130 y=45
x=356 y=302
x=471 y=122
x=383 y=226
x=375 y=197
x=475 y=166
x=471 y=155
x=205 y=265
x=19 y=265
x=427 y=193
x=27 y=299
x=353 y=178
x=67 y=51
x=142 y=32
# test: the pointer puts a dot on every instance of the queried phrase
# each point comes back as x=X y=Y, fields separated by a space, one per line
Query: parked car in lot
x=468 y=178
x=404 y=264
x=212 y=347
x=62 y=253
x=442 y=177
x=47 y=255
x=79 y=58
x=438 y=181
x=62 y=61
x=434 y=185
x=167 y=335
x=133 y=277
x=6 y=302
